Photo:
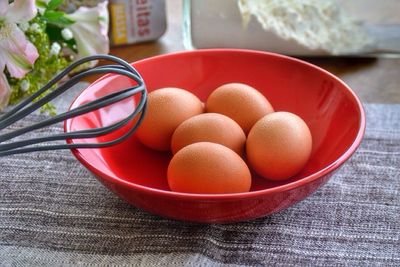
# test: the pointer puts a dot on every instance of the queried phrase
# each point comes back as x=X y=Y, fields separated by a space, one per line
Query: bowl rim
x=231 y=196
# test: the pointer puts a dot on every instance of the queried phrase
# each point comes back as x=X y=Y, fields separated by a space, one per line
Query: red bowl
x=137 y=174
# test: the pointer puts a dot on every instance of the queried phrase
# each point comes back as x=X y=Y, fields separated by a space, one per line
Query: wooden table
x=374 y=80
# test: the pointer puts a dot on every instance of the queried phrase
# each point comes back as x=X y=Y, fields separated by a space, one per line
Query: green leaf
x=53 y=4
x=41 y=4
x=53 y=15
x=58 y=18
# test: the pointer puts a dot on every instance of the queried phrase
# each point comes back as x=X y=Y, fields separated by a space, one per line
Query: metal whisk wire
x=28 y=106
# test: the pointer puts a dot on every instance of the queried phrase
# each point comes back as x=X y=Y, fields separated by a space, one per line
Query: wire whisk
x=29 y=105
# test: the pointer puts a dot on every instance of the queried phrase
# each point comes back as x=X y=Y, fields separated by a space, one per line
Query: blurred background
x=368 y=68
x=358 y=40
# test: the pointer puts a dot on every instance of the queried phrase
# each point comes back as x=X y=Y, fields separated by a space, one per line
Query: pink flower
x=17 y=54
x=90 y=29
x=4 y=89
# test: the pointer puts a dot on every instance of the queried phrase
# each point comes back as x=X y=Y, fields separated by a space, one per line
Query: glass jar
x=136 y=21
x=302 y=28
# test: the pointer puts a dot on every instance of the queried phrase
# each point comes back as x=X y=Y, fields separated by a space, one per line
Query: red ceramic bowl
x=138 y=175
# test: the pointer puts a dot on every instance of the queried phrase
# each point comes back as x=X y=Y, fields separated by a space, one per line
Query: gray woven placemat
x=52 y=213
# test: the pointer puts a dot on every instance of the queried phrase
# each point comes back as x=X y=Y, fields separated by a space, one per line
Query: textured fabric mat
x=54 y=213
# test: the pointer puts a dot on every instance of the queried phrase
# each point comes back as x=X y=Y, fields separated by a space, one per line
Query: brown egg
x=166 y=109
x=209 y=127
x=240 y=102
x=208 y=168
x=279 y=145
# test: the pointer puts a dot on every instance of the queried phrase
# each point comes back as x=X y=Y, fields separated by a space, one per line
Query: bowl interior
x=330 y=109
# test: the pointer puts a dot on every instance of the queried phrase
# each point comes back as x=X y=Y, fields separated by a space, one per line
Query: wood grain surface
x=374 y=80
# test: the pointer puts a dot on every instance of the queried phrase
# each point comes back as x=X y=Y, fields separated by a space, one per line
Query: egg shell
x=166 y=109
x=208 y=168
x=240 y=102
x=209 y=127
x=279 y=145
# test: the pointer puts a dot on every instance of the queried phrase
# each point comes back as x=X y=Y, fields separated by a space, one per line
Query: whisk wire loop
x=29 y=105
